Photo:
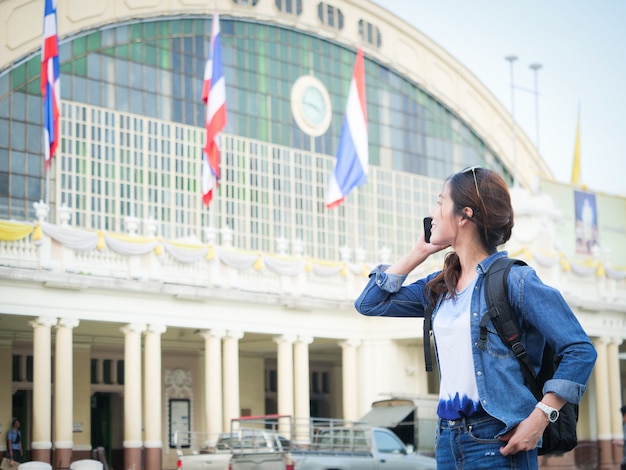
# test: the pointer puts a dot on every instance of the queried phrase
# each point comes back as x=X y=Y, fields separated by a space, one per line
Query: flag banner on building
x=352 y=155
x=214 y=96
x=50 y=81
x=576 y=165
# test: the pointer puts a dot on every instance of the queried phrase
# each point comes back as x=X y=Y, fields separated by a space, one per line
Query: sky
x=581 y=45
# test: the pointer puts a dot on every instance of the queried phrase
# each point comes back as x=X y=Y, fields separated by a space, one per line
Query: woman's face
x=445 y=223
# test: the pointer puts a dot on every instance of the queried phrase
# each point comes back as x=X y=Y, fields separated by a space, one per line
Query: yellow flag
x=576 y=167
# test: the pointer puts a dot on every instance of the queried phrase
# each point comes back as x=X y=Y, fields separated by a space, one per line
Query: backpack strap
x=504 y=319
x=428 y=330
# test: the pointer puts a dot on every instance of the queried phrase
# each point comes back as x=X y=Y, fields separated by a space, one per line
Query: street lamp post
x=535 y=67
x=511 y=59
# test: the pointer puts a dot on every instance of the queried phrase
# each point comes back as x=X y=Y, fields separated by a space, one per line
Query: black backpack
x=559 y=437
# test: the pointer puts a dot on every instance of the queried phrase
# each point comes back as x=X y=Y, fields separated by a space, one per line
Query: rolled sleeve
x=567 y=390
x=389 y=282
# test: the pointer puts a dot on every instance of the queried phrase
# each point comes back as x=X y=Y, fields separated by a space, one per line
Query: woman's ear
x=468 y=213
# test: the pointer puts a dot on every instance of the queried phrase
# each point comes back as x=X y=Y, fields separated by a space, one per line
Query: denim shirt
x=543 y=314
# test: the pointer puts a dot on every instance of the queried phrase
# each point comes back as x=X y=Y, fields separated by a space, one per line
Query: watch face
x=313 y=105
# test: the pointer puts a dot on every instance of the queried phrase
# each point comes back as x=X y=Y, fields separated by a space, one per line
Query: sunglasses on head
x=473 y=170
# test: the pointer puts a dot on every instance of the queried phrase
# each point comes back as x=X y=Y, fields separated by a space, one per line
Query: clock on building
x=310 y=105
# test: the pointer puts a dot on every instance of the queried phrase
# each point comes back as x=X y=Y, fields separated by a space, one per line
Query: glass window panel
x=151 y=104
x=34 y=140
x=95 y=89
x=121 y=73
x=151 y=78
x=94 y=41
x=4 y=184
x=17 y=186
x=35 y=164
x=122 y=51
x=18 y=76
x=4 y=110
x=163 y=58
x=4 y=84
x=108 y=38
x=122 y=98
x=136 y=75
x=93 y=66
x=108 y=69
x=79 y=46
x=80 y=67
x=34 y=188
x=136 y=101
x=136 y=31
x=4 y=136
x=80 y=89
x=121 y=34
x=136 y=52
x=33 y=67
x=18 y=135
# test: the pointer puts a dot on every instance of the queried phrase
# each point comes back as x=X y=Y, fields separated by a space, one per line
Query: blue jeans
x=469 y=444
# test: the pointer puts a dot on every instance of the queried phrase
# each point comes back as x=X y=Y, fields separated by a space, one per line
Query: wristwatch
x=551 y=413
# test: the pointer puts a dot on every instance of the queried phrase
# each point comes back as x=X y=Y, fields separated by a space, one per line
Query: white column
x=285 y=380
x=615 y=386
x=132 y=385
x=349 y=366
x=302 y=395
x=230 y=374
x=63 y=384
x=285 y=374
x=152 y=394
x=600 y=373
x=42 y=388
x=152 y=398
x=213 y=382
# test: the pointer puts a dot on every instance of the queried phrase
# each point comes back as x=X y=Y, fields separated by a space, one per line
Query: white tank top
x=458 y=394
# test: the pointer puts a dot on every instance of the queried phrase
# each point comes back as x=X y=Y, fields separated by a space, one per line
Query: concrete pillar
x=152 y=397
x=615 y=392
x=213 y=382
x=349 y=350
x=64 y=393
x=603 y=403
x=285 y=381
x=42 y=389
x=302 y=395
x=132 y=396
x=230 y=376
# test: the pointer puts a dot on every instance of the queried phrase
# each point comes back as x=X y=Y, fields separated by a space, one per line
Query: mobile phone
x=427 y=222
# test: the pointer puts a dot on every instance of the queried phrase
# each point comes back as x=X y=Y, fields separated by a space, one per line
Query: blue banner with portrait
x=586 y=222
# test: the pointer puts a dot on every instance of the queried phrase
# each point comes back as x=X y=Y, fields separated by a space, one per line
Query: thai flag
x=214 y=96
x=50 y=81
x=352 y=156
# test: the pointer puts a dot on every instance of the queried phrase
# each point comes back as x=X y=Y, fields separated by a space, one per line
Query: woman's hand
x=418 y=254
x=526 y=435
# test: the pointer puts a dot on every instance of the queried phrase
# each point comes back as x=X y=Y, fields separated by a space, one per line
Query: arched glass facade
x=132 y=129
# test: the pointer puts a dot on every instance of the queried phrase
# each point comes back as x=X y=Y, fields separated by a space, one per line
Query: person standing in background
x=14 y=442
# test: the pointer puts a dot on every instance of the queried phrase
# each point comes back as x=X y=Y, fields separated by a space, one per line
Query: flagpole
x=47 y=188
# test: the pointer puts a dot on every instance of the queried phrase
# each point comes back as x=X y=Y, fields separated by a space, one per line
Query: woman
x=488 y=418
x=14 y=442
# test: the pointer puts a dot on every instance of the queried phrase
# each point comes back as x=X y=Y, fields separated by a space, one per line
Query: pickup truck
x=196 y=453
x=336 y=445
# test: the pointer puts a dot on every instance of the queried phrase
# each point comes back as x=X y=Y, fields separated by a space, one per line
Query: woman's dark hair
x=15 y=420
x=487 y=194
